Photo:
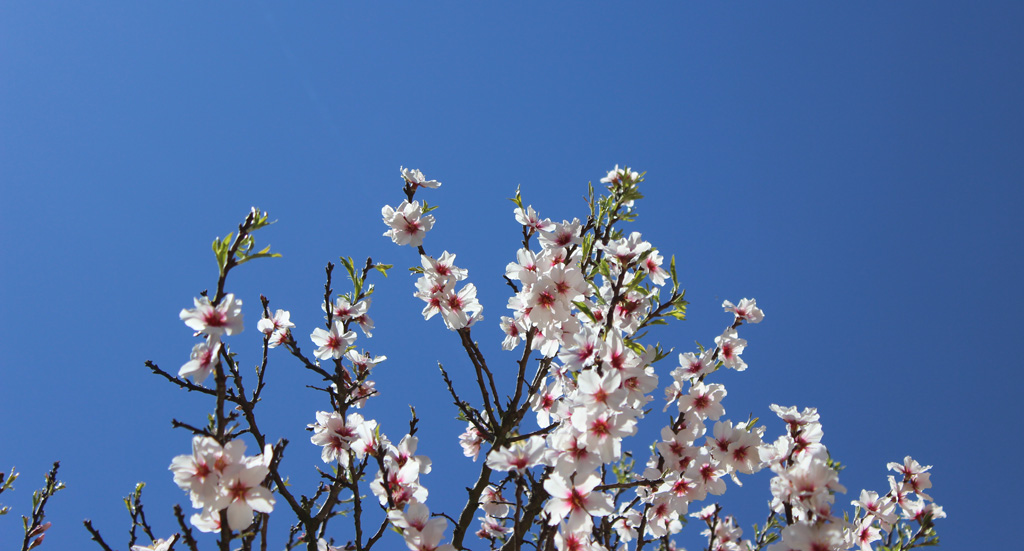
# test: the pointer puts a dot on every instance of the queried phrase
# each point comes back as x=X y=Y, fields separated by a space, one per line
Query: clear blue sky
x=858 y=170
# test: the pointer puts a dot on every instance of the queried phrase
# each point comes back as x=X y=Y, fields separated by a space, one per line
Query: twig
x=187 y=385
x=96 y=537
x=470 y=416
x=36 y=530
x=186 y=530
x=195 y=430
x=328 y=305
x=481 y=369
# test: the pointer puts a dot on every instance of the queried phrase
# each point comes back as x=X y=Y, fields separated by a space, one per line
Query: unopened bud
x=39 y=530
x=37 y=541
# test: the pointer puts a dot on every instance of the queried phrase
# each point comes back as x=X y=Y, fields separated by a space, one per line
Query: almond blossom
x=730 y=347
x=157 y=545
x=577 y=500
x=221 y=477
x=519 y=456
x=408 y=223
x=746 y=310
x=415 y=178
x=531 y=220
x=214 y=321
x=333 y=343
x=241 y=492
x=203 y=360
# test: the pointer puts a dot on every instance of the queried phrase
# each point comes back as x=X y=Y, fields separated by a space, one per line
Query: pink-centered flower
x=281 y=320
x=746 y=310
x=157 y=545
x=577 y=500
x=618 y=175
x=333 y=343
x=730 y=347
x=344 y=310
x=241 y=492
x=214 y=321
x=704 y=400
x=470 y=440
x=461 y=309
x=415 y=178
x=519 y=456
x=335 y=435
x=408 y=223
x=532 y=220
x=203 y=360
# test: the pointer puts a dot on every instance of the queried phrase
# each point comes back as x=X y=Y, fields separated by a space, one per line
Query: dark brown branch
x=510 y=284
x=633 y=484
x=380 y=532
x=295 y=351
x=195 y=430
x=138 y=516
x=186 y=530
x=96 y=537
x=544 y=430
x=468 y=413
x=521 y=376
x=328 y=305
x=616 y=297
x=36 y=529
x=494 y=413
x=243 y=233
x=187 y=385
x=533 y=508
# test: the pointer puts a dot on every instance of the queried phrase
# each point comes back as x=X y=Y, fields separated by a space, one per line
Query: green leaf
x=518 y=199
x=586 y=310
x=634 y=346
x=634 y=284
x=675 y=278
x=590 y=198
x=588 y=245
x=265 y=253
x=349 y=266
x=660 y=353
x=353 y=275
x=220 y=250
x=383 y=268
x=260 y=219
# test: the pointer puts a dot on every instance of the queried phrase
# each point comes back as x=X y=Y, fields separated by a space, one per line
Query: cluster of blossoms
x=584 y=295
x=436 y=287
x=593 y=397
x=596 y=382
x=277 y=328
x=220 y=478
x=224 y=318
x=348 y=441
x=688 y=464
x=806 y=482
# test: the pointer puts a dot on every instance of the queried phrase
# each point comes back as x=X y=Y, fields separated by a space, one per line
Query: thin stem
x=36 y=529
x=96 y=537
x=186 y=530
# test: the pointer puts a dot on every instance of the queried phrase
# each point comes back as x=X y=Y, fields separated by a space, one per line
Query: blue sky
x=856 y=169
